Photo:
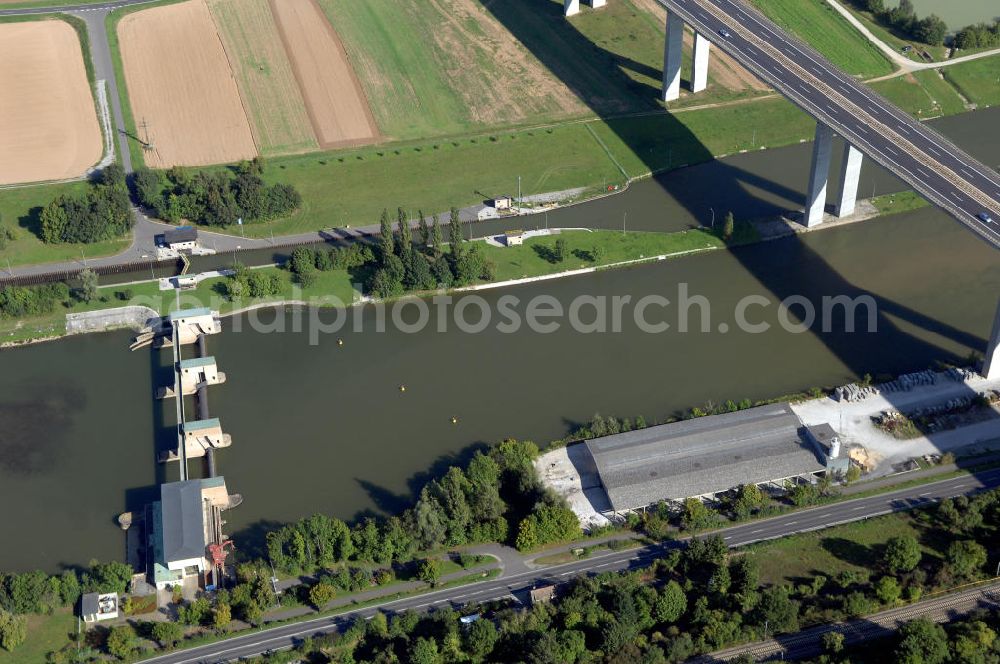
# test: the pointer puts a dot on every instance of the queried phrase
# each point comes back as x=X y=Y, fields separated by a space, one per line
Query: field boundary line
x=236 y=81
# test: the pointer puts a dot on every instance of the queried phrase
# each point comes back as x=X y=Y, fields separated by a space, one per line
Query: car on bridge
x=985 y=217
x=725 y=33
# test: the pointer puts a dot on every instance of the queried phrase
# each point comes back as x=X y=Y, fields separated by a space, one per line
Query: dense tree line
x=980 y=35
x=244 y=282
x=36 y=592
x=400 y=262
x=23 y=301
x=904 y=20
x=497 y=497
x=215 y=197
x=703 y=598
x=103 y=212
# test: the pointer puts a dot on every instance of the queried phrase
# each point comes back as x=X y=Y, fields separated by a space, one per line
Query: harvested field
x=180 y=84
x=446 y=66
x=334 y=99
x=48 y=123
x=264 y=76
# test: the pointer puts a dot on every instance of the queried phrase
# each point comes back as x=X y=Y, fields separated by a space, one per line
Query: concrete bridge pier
x=699 y=63
x=598 y=3
x=850 y=174
x=991 y=363
x=819 y=173
x=672 y=58
x=572 y=7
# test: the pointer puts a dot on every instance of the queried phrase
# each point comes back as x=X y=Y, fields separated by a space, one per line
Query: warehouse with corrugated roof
x=704 y=456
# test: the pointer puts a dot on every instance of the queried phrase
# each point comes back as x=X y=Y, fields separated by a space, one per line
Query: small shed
x=542 y=594
x=181 y=238
x=503 y=203
x=513 y=238
x=98 y=606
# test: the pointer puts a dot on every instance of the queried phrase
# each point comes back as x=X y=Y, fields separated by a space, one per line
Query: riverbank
x=588 y=250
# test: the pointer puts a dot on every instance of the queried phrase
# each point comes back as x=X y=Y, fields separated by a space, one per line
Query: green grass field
x=850 y=547
x=527 y=261
x=19 y=208
x=924 y=95
x=828 y=32
x=978 y=81
x=664 y=141
x=45 y=634
x=942 y=92
x=353 y=187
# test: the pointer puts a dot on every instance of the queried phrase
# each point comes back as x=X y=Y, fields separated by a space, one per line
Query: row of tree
x=102 y=212
x=39 y=593
x=903 y=19
x=497 y=497
x=980 y=35
x=215 y=197
x=401 y=262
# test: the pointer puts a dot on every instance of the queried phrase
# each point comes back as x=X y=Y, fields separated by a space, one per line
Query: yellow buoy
x=340 y=342
x=402 y=388
x=454 y=420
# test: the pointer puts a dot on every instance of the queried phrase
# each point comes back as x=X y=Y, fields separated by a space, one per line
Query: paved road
x=918 y=155
x=516 y=583
x=808 y=642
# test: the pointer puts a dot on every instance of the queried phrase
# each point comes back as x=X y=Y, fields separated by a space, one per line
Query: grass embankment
x=820 y=26
x=923 y=94
x=528 y=260
x=978 y=80
x=904 y=201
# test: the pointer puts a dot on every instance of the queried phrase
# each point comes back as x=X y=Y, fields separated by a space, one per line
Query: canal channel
x=325 y=427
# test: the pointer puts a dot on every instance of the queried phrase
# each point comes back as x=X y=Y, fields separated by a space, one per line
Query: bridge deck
x=918 y=155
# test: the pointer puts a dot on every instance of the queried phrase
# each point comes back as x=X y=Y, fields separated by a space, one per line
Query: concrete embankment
x=133 y=317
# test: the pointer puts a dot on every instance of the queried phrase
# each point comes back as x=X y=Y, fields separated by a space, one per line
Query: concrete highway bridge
x=869 y=124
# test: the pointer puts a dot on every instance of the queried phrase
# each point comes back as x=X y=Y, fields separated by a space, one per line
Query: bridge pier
x=818 y=175
x=850 y=174
x=572 y=7
x=991 y=363
x=699 y=63
x=672 y=58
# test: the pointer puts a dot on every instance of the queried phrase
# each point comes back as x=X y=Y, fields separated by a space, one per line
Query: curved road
x=520 y=581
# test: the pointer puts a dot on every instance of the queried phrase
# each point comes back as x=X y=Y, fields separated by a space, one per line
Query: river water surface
x=326 y=428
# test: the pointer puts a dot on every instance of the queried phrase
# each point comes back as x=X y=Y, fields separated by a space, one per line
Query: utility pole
x=624 y=219
x=519 y=194
x=713 y=217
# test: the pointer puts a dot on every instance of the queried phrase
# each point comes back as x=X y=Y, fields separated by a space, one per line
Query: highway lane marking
x=904 y=129
x=933 y=151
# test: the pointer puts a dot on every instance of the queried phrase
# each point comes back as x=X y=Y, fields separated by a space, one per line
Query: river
x=957 y=14
x=326 y=428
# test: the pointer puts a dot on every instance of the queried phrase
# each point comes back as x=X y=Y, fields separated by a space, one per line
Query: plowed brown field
x=48 y=124
x=336 y=103
x=181 y=86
